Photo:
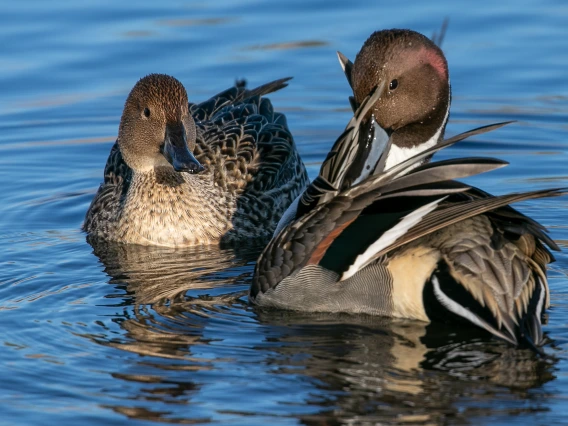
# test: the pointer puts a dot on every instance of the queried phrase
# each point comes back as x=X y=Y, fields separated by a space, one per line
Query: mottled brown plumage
x=185 y=174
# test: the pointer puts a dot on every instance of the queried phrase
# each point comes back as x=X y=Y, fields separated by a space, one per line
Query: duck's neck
x=416 y=138
x=176 y=209
x=164 y=177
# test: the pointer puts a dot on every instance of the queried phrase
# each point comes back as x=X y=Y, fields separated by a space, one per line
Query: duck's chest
x=184 y=211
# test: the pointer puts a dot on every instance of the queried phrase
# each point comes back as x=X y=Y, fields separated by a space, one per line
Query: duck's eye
x=393 y=84
x=146 y=112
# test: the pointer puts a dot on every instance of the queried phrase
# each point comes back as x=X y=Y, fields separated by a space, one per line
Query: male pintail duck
x=383 y=231
x=184 y=174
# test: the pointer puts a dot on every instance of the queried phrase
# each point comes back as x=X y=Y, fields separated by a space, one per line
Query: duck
x=384 y=230
x=184 y=174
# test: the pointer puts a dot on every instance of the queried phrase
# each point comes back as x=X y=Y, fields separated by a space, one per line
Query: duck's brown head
x=156 y=129
x=414 y=105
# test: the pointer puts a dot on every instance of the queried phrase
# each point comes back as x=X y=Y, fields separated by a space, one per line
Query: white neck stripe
x=398 y=154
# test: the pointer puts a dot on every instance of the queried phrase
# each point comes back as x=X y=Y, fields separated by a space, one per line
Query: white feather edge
x=458 y=309
x=340 y=57
x=540 y=304
x=389 y=237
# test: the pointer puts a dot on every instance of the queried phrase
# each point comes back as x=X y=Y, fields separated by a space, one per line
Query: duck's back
x=245 y=141
x=251 y=153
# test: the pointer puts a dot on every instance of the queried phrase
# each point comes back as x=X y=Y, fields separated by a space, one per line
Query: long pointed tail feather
x=443 y=217
x=267 y=88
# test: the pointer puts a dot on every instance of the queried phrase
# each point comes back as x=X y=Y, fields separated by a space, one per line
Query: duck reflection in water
x=154 y=275
x=177 y=303
x=384 y=371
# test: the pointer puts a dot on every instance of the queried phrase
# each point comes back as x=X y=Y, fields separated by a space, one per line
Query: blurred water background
x=99 y=336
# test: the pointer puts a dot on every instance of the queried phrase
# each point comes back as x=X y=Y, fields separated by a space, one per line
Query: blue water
x=157 y=335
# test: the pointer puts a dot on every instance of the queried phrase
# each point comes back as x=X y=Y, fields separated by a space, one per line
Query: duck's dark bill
x=177 y=153
x=381 y=143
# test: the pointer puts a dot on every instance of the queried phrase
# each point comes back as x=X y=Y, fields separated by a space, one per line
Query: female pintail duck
x=184 y=174
x=383 y=231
